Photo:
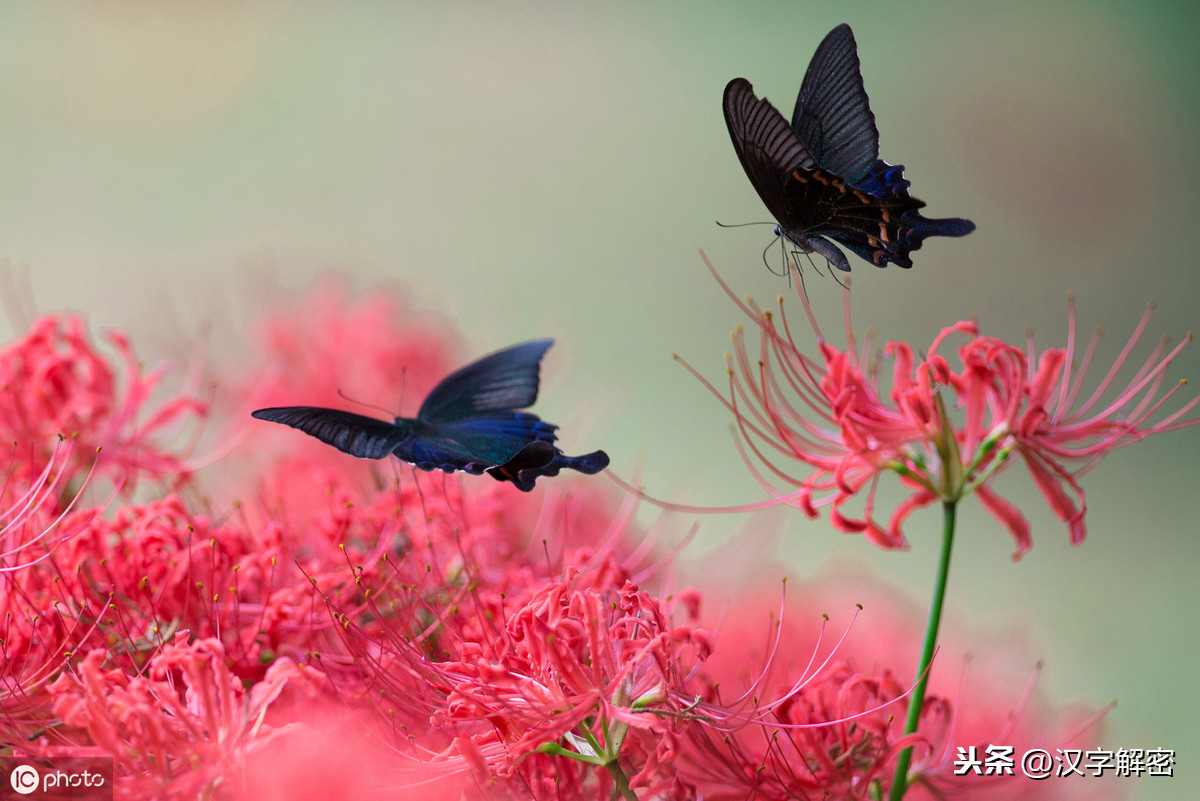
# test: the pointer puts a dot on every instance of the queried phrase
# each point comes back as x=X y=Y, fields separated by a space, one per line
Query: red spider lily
x=181 y=729
x=33 y=507
x=36 y=633
x=836 y=728
x=483 y=643
x=832 y=413
x=580 y=685
x=329 y=348
x=53 y=381
x=838 y=738
x=535 y=686
x=834 y=739
x=576 y=670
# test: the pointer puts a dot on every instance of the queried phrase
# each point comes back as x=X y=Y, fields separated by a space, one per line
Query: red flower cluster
x=835 y=725
x=344 y=627
x=55 y=383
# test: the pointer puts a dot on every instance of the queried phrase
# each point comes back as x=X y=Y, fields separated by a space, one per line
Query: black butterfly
x=467 y=422
x=821 y=176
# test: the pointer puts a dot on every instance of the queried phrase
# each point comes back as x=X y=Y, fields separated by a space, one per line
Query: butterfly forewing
x=766 y=145
x=832 y=116
x=364 y=437
x=505 y=380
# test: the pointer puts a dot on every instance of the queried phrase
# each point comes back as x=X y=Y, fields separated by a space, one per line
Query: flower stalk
x=917 y=700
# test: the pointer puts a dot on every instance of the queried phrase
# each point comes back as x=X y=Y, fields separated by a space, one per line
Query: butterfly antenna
x=742 y=225
x=355 y=401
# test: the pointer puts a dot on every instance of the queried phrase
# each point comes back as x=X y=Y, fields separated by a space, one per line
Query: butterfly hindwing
x=542 y=459
x=502 y=381
x=833 y=116
x=474 y=444
x=364 y=437
x=819 y=204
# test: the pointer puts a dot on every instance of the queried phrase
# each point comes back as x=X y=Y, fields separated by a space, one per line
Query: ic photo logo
x=24 y=779
x=77 y=778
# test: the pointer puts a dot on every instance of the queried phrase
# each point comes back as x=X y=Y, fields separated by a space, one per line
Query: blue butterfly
x=821 y=177
x=467 y=422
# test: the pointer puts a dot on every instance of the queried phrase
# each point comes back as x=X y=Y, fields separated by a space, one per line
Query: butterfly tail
x=588 y=463
x=914 y=229
x=887 y=182
x=539 y=459
x=910 y=235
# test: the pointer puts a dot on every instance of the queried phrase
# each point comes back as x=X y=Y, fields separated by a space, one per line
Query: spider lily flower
x=183 y=727
x=819 y=426
x=426 y=636
x=571 y=684
x=794 y=717
x=55 y=382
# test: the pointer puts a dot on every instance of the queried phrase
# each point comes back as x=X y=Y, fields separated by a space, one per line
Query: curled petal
x=1052 y=480
x=1009 y=516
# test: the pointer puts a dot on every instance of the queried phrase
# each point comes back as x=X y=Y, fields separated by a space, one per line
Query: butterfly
x=467 y=422
x=821 y=177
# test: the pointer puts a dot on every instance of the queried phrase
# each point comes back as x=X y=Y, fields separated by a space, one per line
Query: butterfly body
x=820 y=175
x=468 y=422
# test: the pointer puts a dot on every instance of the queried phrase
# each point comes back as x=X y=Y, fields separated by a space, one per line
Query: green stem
x=917 y=700
x=621 y=781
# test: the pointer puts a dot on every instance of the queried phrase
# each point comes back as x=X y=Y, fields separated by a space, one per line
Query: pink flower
x=33 y=506
x=180 y=730
x=576 y=667
x=833 y=414
x=54 y=382
x=425 y=635
x=563 y=686
x=37 y=516
x=330 y=348
x=368 y=353
x=838 y=728
x=833 y=739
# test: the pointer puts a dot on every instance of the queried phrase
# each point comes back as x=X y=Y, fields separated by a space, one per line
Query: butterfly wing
x=820 y=176
x=502 y=381
x=468 y=422
x=473 y=444
x=832 y=116
x=766 y=145
x=882 y=226
x=354 y=434
x=798 y=193
x=539 y=459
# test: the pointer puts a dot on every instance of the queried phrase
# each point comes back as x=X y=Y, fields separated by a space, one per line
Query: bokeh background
x=536 y=169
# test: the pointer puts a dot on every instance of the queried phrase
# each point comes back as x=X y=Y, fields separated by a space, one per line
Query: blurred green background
x=536 y=169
